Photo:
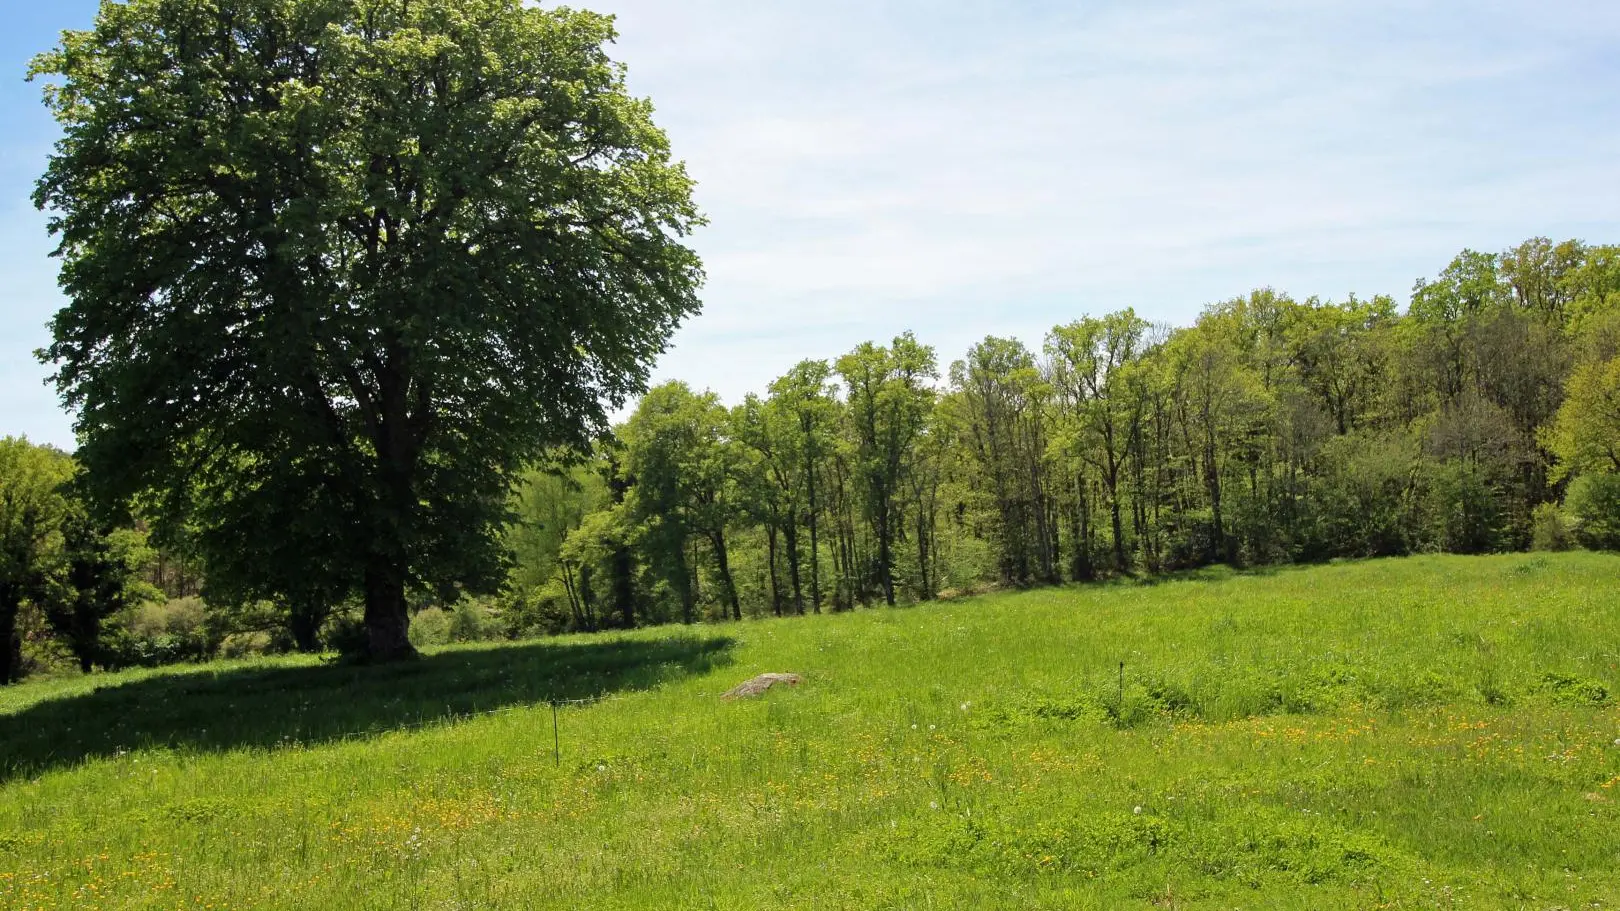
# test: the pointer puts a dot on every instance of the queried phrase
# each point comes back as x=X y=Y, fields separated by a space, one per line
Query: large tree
x=684 y=469
x=98 y=579
x=338 y=269
x=1093 y=357
x=806 y=398
x=1001 y=398
x=890 y=398
x=1585 y=434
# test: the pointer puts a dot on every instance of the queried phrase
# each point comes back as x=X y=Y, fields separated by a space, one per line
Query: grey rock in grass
x=759 y=685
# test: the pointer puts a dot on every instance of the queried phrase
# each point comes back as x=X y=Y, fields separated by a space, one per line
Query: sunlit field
x=1422 y=733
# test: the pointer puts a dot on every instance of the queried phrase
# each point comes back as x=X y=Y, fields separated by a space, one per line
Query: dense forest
x=1484 y=418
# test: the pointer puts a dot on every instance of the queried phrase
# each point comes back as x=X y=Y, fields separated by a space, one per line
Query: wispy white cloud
x=979 y=167
x=999 y=166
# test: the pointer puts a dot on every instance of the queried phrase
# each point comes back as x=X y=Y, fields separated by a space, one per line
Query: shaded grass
x=277 y=702
x=1419 y=733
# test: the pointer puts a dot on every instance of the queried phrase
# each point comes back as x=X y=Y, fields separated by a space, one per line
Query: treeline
x=1484 y=418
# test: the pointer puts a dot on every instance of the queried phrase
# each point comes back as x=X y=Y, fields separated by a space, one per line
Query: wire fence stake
x=556 y=736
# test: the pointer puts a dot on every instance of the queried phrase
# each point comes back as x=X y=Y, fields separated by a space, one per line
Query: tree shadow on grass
x=258 y=706
x=1214 y=572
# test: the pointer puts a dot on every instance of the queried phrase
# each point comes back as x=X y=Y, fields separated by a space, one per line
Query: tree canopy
x=1270 y=429
x=338 y=271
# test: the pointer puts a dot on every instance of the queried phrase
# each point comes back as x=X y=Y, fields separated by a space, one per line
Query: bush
x=169 y=632
x=245 y=645
x=1365 y=499
x=1549 y=530
x=345 y=634
x=1464 y=511
x=1594 y=503
x=471 y=622
x=543 y=611
x=430 y=627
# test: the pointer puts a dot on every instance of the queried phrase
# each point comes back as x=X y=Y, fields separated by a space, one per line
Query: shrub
x=168 y=632
x=471 y=622
x=1594 y=502
x=244 y=645
x=345 y=634
x=430 y=627
x=1549 y=530
x=1464 y=511
x=542 y=610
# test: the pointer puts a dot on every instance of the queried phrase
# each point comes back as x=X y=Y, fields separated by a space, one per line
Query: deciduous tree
x=378 y=254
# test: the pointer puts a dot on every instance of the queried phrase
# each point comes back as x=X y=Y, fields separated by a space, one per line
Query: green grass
x=1420 y=733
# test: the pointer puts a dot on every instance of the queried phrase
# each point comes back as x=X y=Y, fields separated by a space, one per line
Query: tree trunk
x=622 y=562
x=587 y=599
x=790 y=533
x=1085 y=569
x=305 y=626
x=1120 y=563
x=1079 y=554
x=885 y=551
x=815 y=543
x=837 y=560
x=696 y=575
x=684 y=584
x=573 y=598
x=770 y=557
x=843 y=562
x=857 y=566
x=927 y=593
x=723 y=562
x=10 y=641
x=624 y=584
x=388 y=621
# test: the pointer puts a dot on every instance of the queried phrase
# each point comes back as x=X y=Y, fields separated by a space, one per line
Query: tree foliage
x=79 y=578
x=1270 y=430
x=337 y=272
x=32 y=507
x=98 y=584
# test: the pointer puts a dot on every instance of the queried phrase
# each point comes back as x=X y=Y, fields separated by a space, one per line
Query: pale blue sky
x=974 y=167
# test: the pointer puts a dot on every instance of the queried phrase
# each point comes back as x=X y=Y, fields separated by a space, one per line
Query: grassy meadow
x=1436 y=732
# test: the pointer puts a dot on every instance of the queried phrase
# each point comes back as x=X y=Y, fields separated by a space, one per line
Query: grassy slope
x=1365 y=735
